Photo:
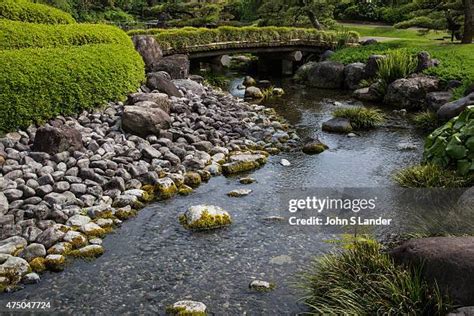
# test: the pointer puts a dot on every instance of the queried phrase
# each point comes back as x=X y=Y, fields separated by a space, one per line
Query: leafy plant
x=430 y=176
x=397 y=64
x=24 y=10
x=361 y=117
x=452 y=145
x=365 y=281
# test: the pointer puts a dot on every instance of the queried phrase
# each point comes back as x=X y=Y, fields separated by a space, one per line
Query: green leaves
x=452 y=145
x=24 y=10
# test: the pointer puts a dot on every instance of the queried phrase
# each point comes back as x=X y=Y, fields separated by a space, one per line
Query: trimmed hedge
x=189 y=36
x=24 y=10
x=15 y=35
x=40 y=83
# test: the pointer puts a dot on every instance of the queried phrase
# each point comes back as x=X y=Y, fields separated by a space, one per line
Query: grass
x=426 y=121
x=457 y=61
x=398 y=64
x=430 y=176
x=361 y=117
x=365 y=281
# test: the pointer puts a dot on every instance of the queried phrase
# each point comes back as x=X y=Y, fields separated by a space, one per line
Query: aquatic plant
x=430 y=176
x=363 y=280
x=361 y=117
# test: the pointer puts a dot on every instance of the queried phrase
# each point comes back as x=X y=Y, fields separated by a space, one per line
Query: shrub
x=426 y=120
x=421 y=21
x=364 y=281
x=24 y=10
x=40 y=83
x=183 y=38
x=398 y=64
x=430 y=176
x=360 y=117
x=14 y=35
x=452 y=145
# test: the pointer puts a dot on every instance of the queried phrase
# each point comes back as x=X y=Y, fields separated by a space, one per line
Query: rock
x=281 y=260
x=31 y=278
x=278 y=92
x=190 y=86
x=55 y=262
x=239 y=192
x=33 y=251
x=165 y=188
x=453 y=109
x=434 y=100
x=247 y=180
x=445 y=260
x=463 y=311
x=13 y=194
x=187 y=308
x=144 y=121
x=3 y=204
x=410 y=93
x=466 y=201
x=353 y=75
x=372 y=65
x=337 y=125
x=326 y=75
x=301 y=74
x=89 y=251
x=193 y=179
x=155 y=81
x=407 y=146
x=13 y=268
x=285 y=163
x=161 y=100
x=261 y=286
x=249 y=81
x=176 y=65
x=148 y=48
x=61 y=248
x=369 y=41
x=314 y=147
x=51 y=235
x=425 y=61
x=76 y=239
x=53 y=140
x=326 y=55
x=204 y=217
x=253 y=93
x=243 y=162
x=11 y=245
x=92 y=229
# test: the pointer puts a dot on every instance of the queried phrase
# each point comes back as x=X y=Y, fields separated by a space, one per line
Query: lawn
x=457 y=61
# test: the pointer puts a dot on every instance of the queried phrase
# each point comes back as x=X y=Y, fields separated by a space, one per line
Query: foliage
x=426 y=120
x=422 y=21
x=15 y=35
x=430 y=176
x=40 y=83
x=185 y=13
x=365 y=281
x=452 y=145
x=216 y=80
x=397 y=64
x=361 y=117
x=24 y=10
x=184 y=37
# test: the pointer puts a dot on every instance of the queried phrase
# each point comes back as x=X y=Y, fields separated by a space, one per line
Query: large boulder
x=301 y=74
x=434 y=100
x=353 y=74
x=337 y=125
x=188 y=85
x=453 y=109
x=410 y=93
x=144 y=121
x=448 y=261
x=156 y=81
x=372 y=66
x=203 y=217
x=176 y=65
x=53 y=140
x=326 y=75
x=375 y=92
x=12 y=268
x=161 y=100
x=148 y=48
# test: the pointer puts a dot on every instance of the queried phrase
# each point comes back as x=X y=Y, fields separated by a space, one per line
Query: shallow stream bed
x=152 y=261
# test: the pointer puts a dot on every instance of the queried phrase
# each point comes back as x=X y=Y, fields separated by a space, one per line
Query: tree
x=468 y=21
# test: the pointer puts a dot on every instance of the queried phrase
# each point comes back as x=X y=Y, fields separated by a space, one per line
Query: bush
x=364 y=281
x=430 y=176
x=184 y=37
x=452 y=145
x=15 y=35
x=426 y=121
x=24 y=10
x=360 y=117
x=40 y=83
x=398 y=64
x=421 y=21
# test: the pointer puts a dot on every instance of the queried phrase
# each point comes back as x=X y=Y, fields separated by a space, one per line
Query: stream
x=152 y=261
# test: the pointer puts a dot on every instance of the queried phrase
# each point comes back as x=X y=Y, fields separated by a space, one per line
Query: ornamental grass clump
x=396 y=65
x=361 y=117
x=430 y=176
x=426 y=120
x=365 y=281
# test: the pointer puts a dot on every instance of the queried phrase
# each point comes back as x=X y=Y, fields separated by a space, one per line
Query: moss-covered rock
x=239 y=192
x=75 y=239
x=244 y=162
x=60 y=248
x=38 y=264
x=247 y=180
x=205 y=217
x=192 y=179
x=165 y=188
x=187 y=308
x=261 y=286
x=88 y=252
x=314 y=147
x=55 y=262
x=125 y=213
x=185 y=190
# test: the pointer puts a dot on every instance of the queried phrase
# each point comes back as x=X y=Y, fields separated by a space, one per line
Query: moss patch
x=124 y=214
x=38 y=264
x=185 y=190
x=207 y=221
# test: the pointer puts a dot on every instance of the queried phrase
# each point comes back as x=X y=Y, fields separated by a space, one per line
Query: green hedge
x=24 y=10
x=189 y=36
x=40 y=83
x=15 y=34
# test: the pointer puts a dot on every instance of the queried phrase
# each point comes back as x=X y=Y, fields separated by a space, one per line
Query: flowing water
x=152 y=261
